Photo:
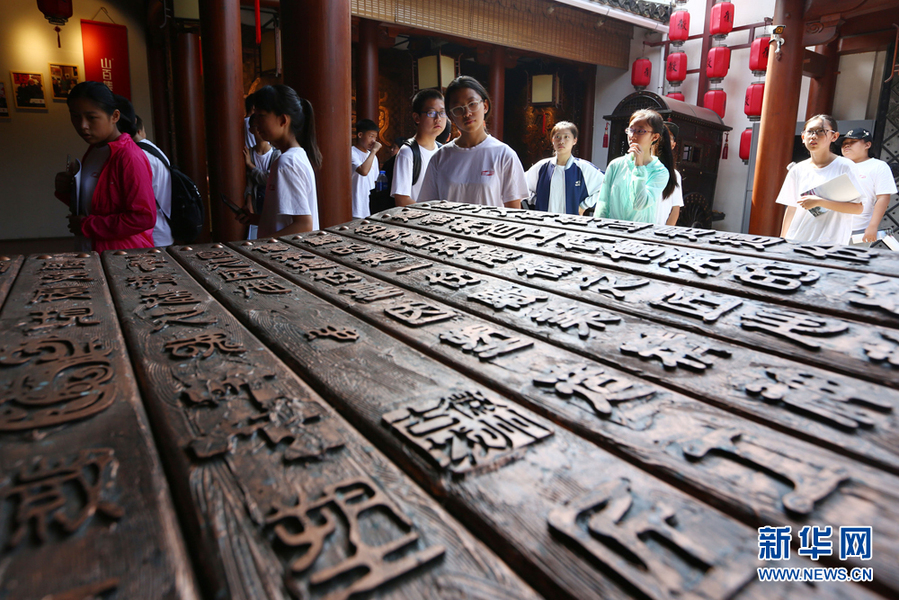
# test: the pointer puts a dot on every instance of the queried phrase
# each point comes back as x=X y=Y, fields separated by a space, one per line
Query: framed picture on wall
x=27 y=90
x=63 y=78
x=4 y=107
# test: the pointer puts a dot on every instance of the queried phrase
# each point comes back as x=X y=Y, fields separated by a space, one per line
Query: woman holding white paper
x=810 y=217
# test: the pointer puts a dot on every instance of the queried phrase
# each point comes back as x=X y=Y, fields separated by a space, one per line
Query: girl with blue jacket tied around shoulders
x=635 y=183
x=562 y=183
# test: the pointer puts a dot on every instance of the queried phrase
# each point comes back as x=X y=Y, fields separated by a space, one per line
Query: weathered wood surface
x=282 y=497
x=528 y=487
x=832 y=256
x=85 y=510
x=9 y=268
x=837 y=344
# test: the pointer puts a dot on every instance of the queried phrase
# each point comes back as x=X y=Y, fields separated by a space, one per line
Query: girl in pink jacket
x=116 y=206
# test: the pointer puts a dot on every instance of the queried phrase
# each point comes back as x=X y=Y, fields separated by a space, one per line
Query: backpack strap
x=151 y=150
x=416 y=158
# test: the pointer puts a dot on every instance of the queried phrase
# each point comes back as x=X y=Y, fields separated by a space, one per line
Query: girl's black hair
x=283 y=100
x=663 y=148
x=827 y=118
x=95 y=92
x=127 y=117
x=462 y=82
x=418 y=101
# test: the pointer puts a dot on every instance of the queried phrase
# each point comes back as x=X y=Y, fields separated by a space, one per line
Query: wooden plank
x=9 y=268
x=528 y=492
x=282 y=497
x=727 y=460
x=842 y=345
x=864 y=260
x=84 y=504
x=846 y=415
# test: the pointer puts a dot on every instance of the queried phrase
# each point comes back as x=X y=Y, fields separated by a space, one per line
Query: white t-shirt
x=830 y=227
x=666 y=204
x=90 y=174
x=490 y=173
x=402 y=172
x=593 y=178
x=290 y=192
x=362 y=184
x=162 y=189
x=876 y=179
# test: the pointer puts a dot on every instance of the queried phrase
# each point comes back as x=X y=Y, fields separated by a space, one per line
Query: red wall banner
x=106 y=55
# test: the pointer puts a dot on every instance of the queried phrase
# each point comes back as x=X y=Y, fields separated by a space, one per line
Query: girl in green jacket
x=636 y=182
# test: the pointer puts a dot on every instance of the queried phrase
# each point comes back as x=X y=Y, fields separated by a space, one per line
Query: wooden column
x=223 y=87
x=316 y=48
x=367 y=71
x=585 y=140
x=821 y=90
x=780 y=108
x=496 y=87
x=190 y=121
x=158 y=67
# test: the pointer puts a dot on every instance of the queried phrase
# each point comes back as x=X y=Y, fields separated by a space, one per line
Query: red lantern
x=745 y=144
x=718 y=63
x=722 y=21
x=753 y=103
x=641 y=72
x=679 y=26
x=715 y=100
x=676 y=67
x=758 y=55
x=677 y=96
x=57 y=12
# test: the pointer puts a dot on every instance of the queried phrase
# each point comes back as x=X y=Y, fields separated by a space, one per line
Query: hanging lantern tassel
x=724 y=151
x=605 y=137
x=58 y=41
x=544 y=122
x=258 y=24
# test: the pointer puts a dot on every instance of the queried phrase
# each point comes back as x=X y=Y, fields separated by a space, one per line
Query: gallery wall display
x=63 y=78
x=28 y=90
x=4 y=107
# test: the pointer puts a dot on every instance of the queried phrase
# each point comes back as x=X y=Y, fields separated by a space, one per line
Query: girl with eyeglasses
x=475 y=168
x=637 y=182
x=811 y=218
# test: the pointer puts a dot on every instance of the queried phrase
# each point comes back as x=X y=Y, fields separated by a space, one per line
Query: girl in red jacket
x=116 y=207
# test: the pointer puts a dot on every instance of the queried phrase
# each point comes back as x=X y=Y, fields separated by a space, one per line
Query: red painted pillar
x=158 y=66
x=822 y=90
x=225 y=138
x=367 y=71
x=497 y=89
x=585 y=140
x=780 y=108
x=317 y=52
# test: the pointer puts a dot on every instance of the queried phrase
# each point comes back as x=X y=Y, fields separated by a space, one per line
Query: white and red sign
x=106 y=55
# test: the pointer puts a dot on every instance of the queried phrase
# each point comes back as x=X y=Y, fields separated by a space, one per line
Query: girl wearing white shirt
x=564 y=184
x=475 y=168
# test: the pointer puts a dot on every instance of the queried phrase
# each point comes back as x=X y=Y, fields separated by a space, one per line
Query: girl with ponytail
x=635 y=183
x=287 y=122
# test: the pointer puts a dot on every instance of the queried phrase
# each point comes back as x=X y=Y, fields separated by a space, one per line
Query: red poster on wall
x=106 y=55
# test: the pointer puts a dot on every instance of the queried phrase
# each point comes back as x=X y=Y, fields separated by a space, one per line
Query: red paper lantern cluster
x=718 y=63
x=752 y=106
x=641 y=73
x=676 y=67
x=758 y=55
x=715 y=100
x=679 y=26
x=722 y=21
x=745 y=144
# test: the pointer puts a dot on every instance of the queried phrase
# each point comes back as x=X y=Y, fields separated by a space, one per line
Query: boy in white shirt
x=365 y=166
x=876 y=179
x=429 y=114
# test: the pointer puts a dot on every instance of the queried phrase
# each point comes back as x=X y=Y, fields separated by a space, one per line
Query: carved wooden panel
x=262 y=468
x=9 y=268
x=80 y=478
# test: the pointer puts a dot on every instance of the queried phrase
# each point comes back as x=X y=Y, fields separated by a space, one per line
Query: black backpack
x=379 y=200
x=187 y=216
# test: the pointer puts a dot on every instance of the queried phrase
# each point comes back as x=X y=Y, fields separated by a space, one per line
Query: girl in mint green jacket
x=636 y=182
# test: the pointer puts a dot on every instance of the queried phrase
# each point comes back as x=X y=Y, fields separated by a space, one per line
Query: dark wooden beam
x=814 y=64
x=870 y=42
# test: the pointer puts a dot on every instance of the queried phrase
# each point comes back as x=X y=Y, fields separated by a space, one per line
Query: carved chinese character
x=406 y=215
x=169 y=298
x=178 y=315
x=876 y=291
x=616 y=527
x=371 y=292
x=593 y=384
x=58 y=264
x=59 y=381
x=792 y=325
x=347 y=249
x=141 y=282
x=512 y=297
x=886 y=349
x=613 y=285
x=146 y=263
x=323 y=239
x=61 y=292
x=585 y=243
x=57 y=319
x=369 y=229
x=548 y=269
x=485 y=341
x=469 y=226
x=821 y=397
x=688 y=233
x=67 y=275
x=245 y=273
x=625 y=226
x=420 y=240
x=225 y=260
x=203 y=345
x=274 y=247
x=503 y=230
x=215 y=254
x=835 y=251
x=542 y=236
x=452 y=278
x=571 y=219
x=467 y=430
x=449 y=247
x=534 y=215
x=565 y=317
x=338 y=276
x=391 y=235
x=739 y=240
x=634 y=251
x=810 y=483
x=674 y=350
x=329 y=331
x=413 y=267
x=416 y=314
x=438 y=219
x=266 y=287
x=772 y=276
x=303 y=263
x=699 y=305
x=66 y=493
x=376 y=259
x=693 y=261
x=357 y=565
x=491 y=256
